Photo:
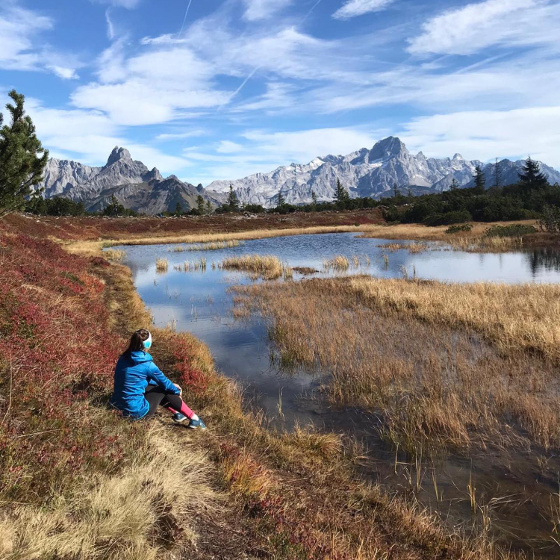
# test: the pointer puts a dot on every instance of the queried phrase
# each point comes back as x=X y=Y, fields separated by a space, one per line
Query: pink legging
x=156 y=396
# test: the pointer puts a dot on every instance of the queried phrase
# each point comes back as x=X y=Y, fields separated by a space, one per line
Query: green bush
x=455 y=217
x=514 y=230
x=459 y=228
x=550 y=219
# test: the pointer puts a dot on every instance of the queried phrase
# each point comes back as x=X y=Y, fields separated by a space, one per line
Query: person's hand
x=180 y=390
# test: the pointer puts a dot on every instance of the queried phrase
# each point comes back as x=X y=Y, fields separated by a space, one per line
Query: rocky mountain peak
x=119 y=154
x=458 y=157
x=389 y=147
x=153 y=175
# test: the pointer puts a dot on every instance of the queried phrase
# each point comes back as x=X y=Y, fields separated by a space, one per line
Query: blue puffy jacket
x=132 y=375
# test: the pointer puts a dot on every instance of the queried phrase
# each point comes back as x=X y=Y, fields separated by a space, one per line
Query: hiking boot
x=194 y=424
x=179 y=418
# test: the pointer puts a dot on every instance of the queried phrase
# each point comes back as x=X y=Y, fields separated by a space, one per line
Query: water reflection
x=547 y=259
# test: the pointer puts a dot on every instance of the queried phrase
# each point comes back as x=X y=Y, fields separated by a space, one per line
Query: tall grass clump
x=268 y=267
x=212 y=246
x=338 y=263
x=162 y=265
x=115 y=255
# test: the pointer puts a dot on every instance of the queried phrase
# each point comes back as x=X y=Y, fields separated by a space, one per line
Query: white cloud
x=149 y=88
x=89 y=137
x=20 y=45
x=505 y=84
x=172 y=136
x=110 y=26
x=263 y=151
x=475 y=27
x=17 y=28
x=261 y=9
x=64 y=73
x=353 y=8
x=168 y=75
x=228 y=147
x=486 y=135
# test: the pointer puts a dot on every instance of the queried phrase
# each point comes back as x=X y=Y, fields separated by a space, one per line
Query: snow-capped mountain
x=366 y=173
x=131 y=182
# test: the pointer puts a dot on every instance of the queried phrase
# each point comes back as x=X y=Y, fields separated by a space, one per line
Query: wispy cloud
x=485 y=135
x=64 y=73
x=23 y=47
x=476 y=26
x=89 y=136
x=263 y=151
x=173 y=136
x=353 y=8
x=110 y=26
x=262 y=9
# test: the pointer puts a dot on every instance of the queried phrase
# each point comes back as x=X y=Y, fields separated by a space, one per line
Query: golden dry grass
x=339 y=263
x=513 y=317
x=124 y=516
x=162 y=265
x=404 y=350
x=268 y=267
x=416 y=247
x=484 y=244
x=215 y=246
x=115 y=255
x=425 y=233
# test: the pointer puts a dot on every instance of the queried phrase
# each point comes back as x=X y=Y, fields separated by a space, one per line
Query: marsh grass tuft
x=162 y=265
x=268 y=267
x=338 y=263
x=210 y=246
x=115 y=255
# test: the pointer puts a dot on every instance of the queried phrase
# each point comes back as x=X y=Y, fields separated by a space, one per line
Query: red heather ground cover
x=91 y=228
x=56 y=355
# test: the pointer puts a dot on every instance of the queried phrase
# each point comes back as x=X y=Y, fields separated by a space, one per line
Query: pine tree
x=409 y=192
x=22 y=157
x=497 y=174
x=200 y=204
x=178 y=209
x=454 y=184
x=341 y=194
x=208 y=207
x=314 y=199
x=233 y=201
x=115 y=208
x=395 y=190
x=531 y=175
x=280 y=199
x=479 y=180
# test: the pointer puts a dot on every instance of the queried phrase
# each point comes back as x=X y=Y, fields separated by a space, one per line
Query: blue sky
x=213 y=89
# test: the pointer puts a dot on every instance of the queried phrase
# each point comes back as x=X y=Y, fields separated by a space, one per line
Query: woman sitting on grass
x=140 y=386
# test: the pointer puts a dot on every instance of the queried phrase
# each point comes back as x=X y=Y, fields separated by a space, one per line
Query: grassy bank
x=78 y=481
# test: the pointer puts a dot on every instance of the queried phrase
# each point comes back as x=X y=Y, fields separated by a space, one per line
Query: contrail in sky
x=259 y=67
x=311 y=10
x=240 y=87
x=185 y=18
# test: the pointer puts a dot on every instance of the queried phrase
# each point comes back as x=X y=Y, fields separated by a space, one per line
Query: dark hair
x=137 y=341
